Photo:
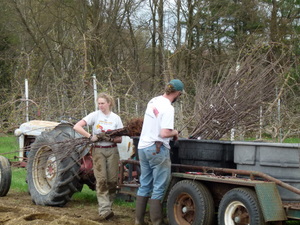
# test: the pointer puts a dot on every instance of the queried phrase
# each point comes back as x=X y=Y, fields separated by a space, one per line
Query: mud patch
x=17 y=208
x=20 y=215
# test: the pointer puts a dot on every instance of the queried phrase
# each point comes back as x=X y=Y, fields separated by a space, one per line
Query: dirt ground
x=17 y=208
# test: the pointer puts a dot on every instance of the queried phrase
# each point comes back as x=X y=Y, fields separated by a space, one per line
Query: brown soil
x=17 y=208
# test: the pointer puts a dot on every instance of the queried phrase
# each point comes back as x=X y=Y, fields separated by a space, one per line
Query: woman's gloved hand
x=104 y=137
x=94 y=138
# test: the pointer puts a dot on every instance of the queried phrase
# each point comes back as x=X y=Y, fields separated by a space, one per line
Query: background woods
x=237 y=58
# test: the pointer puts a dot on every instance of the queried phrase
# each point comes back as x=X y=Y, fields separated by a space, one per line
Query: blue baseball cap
x=177 y=84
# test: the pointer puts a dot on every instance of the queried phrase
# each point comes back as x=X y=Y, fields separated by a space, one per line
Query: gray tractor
x=58 y=160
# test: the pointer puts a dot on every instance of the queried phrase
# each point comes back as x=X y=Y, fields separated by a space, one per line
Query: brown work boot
x=107 y=215
x=156 y=212
x=140 y=209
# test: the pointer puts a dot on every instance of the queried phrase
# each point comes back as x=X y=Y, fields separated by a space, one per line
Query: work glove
x=94 y=138
x=104 y=137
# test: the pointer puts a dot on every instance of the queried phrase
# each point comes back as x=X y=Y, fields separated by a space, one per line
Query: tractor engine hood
x=35 y=127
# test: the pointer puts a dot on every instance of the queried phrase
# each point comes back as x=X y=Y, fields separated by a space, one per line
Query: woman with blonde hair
x=105 y=152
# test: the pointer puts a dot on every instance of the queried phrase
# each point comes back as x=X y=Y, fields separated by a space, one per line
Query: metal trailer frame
x=264 y=185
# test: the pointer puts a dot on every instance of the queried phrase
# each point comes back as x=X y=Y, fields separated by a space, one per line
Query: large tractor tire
x=52 y=170
x=5 y=176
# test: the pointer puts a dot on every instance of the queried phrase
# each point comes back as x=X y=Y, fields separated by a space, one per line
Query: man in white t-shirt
x=153 y=151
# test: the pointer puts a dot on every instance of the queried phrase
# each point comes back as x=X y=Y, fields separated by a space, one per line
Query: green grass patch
x=9 y=147
x=121 y=202
x=86 y=195
x=293 y=222
x=287 y=140
x=292 y=140
x=18 y=182
x=90 y=196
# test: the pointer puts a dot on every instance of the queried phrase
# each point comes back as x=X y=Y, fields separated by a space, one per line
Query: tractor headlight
x=18 y=132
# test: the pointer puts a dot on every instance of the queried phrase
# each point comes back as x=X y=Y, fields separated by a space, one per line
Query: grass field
x=292 y=140
x=9 y=147
x=287 y=140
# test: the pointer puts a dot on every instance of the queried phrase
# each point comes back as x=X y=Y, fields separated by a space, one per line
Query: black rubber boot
x=156 y=212
x=140 y=209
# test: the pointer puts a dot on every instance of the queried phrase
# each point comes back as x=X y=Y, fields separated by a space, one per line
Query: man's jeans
x=155 y=171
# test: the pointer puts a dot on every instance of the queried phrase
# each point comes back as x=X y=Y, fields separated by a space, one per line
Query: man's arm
x=167 y=133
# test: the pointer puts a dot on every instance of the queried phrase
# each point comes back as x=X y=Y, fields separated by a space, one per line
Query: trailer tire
x=51 y=176
x=190 y=202
x=5 y=176
x=236 y=202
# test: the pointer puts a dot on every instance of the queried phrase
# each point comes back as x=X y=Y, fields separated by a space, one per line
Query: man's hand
x=175 y=138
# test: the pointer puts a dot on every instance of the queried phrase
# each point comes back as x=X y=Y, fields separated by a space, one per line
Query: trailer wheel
x=190 y=202
x=5 y=176
x=240 y=206
x=52 y=176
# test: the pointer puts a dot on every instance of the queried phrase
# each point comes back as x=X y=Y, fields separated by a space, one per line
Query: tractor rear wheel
x=5 y=176
x=52 y=171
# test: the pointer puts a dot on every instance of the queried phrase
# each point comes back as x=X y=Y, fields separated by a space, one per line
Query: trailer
x=228 y=183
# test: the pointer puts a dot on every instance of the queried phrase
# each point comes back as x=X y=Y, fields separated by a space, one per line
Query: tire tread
x=68 y=179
